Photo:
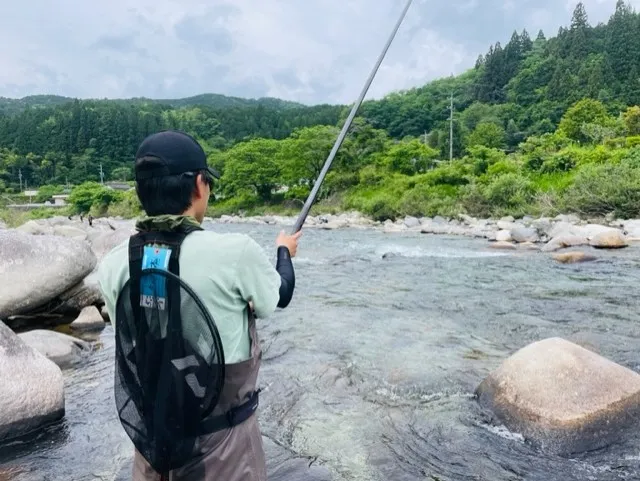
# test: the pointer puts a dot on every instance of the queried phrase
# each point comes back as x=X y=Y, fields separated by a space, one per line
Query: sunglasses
x=206 y=177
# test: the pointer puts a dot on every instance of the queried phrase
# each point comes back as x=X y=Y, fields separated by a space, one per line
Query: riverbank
x=546 y=233
x=550 y=234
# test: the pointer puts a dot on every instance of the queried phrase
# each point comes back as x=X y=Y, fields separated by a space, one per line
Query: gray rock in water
x=89 y=319
x=36 y=269
x=525 y=234
x=503 y=236
x=573 y=257
x=502 y=245
x=612 y=239
x=562 y=397
x=564 y=229
x=32 y=394
x=62 y=349
x=410 y=221
x=86 y=293
x=563 y=241
x=632 y=228
x=508 y=225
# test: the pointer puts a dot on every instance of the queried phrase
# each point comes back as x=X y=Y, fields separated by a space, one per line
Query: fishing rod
x=316 y=187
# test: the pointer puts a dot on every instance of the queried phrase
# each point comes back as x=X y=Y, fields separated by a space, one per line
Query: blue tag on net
x=153 y=288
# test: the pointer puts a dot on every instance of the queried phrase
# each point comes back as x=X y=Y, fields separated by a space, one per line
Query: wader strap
x=233 y=417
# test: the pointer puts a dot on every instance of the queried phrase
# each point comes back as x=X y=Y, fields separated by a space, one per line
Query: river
x=371 y=370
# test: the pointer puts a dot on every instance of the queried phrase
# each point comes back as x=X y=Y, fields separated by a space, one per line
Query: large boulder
x=612 y=239
x=502 y=245
x=573 y=257
x=62 y=349
x=411 y=221
x=525 y=234
x=35 y=228
x=563 y=241
x=632 y=228
x=34 y=269
x=107 y=240
x=32 y=393
x=69 y=231
x=563 y=398
x=503 y=236
x=86 y=293
x=89 y=319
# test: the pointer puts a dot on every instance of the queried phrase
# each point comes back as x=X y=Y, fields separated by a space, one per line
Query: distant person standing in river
x=230 y=277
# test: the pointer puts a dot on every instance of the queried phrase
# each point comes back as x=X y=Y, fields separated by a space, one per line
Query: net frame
x=133 y=392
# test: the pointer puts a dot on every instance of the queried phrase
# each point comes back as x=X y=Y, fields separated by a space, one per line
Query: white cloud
x=311 y=51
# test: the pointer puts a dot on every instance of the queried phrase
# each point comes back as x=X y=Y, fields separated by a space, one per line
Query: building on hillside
x=118 y=186
x=60 y=199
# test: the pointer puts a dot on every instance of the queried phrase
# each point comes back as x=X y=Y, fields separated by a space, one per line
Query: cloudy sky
x=311 y=51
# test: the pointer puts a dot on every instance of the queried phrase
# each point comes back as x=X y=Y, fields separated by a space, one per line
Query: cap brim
x=213 y=172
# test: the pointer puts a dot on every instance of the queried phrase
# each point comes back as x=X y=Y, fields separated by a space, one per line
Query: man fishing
x=183 y=302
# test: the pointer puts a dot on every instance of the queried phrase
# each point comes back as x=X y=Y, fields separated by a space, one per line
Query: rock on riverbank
x=551 y=234
x=562 y=397
x=36 y=269
x=32 y=392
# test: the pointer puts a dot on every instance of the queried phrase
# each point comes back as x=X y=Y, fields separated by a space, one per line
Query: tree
x=252 y=167
x=410 y=158
x=579 y=33
x=631 y=120
x=306 y=151
x=487 y=134
x=579 y=19
x=90 y=195
x=586 y=111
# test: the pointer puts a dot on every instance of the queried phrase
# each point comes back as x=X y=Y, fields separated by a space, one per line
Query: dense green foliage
x=540 y=126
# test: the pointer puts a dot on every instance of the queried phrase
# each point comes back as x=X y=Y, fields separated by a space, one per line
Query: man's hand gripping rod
x=316 y=187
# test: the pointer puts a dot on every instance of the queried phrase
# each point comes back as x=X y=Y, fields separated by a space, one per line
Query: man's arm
x=258 y=281
x=284 y=266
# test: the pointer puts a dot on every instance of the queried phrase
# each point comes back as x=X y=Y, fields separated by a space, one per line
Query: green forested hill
x=204 y=100
x=526 y=85
x=540 y=125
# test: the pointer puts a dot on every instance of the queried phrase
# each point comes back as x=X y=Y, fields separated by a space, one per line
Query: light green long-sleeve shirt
x=226 y=271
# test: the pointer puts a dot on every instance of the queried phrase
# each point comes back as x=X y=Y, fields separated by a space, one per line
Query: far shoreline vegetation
x=541 y=127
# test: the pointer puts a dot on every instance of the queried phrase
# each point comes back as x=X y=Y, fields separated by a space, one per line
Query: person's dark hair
x=170 y=194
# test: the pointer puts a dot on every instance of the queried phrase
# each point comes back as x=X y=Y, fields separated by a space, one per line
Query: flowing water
x=372 y=368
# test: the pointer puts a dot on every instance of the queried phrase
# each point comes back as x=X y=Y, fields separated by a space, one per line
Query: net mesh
x=169 y=367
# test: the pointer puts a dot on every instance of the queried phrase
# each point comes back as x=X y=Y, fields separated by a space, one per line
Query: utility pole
x=101 y=174
x=451 y=129
x=20 y=177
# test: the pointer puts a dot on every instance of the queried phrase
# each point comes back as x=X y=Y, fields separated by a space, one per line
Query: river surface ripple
x=371 y=370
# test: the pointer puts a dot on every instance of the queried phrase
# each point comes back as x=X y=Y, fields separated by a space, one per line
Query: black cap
x=177 y=151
